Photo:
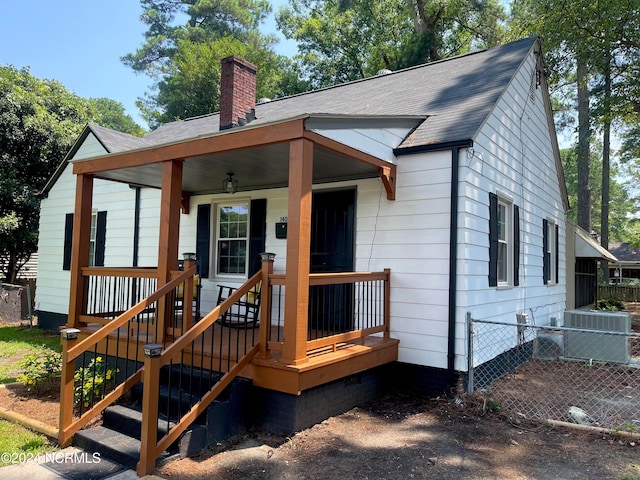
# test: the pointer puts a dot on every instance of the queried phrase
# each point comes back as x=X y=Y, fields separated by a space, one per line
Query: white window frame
x=217 y=239
x=92 y=238
x=505 y=242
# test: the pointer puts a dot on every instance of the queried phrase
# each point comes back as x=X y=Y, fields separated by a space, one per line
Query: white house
x=463 y=198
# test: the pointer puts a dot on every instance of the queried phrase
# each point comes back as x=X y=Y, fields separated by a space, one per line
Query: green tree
x=184 y=44
x=39 y=121
x=191 y=87
x=204 y=21
x=622 y=199
x=111 y=114
x=593 y=46
x=343 y=40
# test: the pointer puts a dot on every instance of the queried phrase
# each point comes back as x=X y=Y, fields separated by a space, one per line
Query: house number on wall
x=284 y=219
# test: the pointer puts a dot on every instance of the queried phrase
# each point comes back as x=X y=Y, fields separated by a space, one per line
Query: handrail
x=332 y=278
x=121 y=320
x=150 y=447
x=132 y=272
x=72 y=350
x=189 y=336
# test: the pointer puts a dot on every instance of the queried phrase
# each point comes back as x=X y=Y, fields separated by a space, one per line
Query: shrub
x=40 y=371
x=610 y=304
x=93 y=382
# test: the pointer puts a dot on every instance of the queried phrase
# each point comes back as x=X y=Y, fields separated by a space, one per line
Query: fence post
x=469 y=353
x=150 y=391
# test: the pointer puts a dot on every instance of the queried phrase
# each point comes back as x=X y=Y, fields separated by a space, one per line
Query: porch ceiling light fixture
x=230 y=184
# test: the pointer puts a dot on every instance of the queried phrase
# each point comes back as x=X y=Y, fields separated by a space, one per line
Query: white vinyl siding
x=52 y=293
x=512 y=154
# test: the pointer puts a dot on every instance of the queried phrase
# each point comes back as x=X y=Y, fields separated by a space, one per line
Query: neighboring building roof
x=624 y=252
x=455 y=95
x=588 y=247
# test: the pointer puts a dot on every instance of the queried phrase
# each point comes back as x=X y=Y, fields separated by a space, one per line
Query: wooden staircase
x=181 y=387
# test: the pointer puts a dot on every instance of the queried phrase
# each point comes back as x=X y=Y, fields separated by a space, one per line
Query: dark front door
x=332 y=248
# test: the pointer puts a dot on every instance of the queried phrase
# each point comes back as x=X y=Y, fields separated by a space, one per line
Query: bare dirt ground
x=408 y=437
x=400 y=436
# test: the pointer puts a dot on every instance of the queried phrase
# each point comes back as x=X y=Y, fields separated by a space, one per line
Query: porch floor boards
x=323 y=365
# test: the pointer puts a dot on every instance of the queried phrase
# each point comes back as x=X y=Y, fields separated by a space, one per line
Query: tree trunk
x=584 y=191
x=606 y=148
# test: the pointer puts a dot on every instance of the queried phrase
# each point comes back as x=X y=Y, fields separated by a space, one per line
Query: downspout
x=136 y=227
x=453 y=262
x=454 y=147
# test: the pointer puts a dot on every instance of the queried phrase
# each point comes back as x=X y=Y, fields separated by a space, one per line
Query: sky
x=80 y=43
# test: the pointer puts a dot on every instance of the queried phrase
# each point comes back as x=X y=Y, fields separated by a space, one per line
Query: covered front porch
x=141 y=319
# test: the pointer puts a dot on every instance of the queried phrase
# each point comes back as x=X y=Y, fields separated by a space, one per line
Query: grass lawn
x=21 y=443
x=17 y=341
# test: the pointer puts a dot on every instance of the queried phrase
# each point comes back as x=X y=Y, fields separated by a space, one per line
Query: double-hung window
x=504 y=242
x=97 y=240
x=92 y=239
x=550 y=234
x=232 y=236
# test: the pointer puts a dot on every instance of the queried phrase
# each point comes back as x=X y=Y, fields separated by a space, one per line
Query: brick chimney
x=237 y=92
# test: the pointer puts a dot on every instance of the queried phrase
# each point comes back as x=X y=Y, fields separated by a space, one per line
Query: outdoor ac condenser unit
x=597 y=346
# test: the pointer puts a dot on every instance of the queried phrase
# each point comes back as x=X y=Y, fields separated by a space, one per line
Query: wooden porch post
x=296 y=305
x=170 y=204
x=80 y=246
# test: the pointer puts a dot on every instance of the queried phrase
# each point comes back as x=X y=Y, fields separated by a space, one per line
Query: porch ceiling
x=264 y=166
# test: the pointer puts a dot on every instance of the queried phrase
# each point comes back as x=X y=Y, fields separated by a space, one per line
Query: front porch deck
x=136 y=329
x=220 y=346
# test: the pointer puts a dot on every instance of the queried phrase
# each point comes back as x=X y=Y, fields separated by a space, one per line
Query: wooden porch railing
x=206 y=381
x=343 y=308
x=205 y=354
x=93 y=374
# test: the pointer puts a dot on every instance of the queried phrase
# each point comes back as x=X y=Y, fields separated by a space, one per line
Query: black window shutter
x=101 y=236
x=557 y=252
x=68 y=239
x=203 y=239
x=545 y=254
x=257 y=233
x=516 y=245
x=493 y=239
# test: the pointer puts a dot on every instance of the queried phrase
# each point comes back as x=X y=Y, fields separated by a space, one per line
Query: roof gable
x=111 y=140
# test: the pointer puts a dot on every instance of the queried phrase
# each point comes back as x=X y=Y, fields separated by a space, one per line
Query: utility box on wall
x=281 y=230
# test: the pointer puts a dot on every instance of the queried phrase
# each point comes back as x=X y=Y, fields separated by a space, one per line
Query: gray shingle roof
x=455 y=94
x=624 y=252
x=115 y=141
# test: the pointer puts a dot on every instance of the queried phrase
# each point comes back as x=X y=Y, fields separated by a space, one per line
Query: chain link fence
x=578 y=373
x=15 y=303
